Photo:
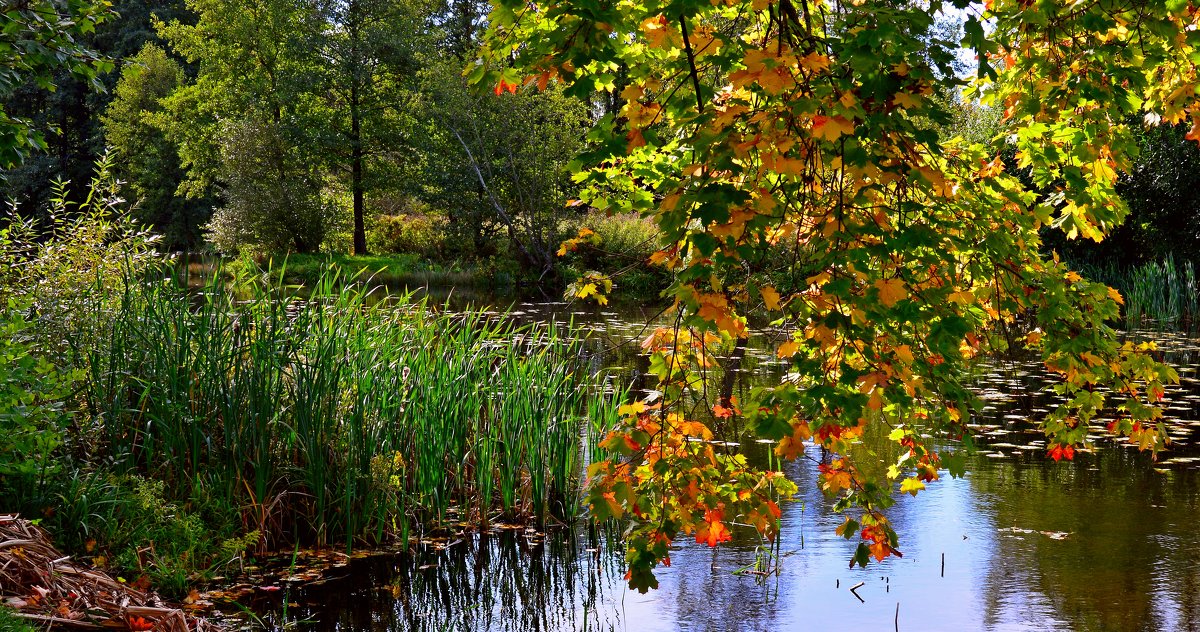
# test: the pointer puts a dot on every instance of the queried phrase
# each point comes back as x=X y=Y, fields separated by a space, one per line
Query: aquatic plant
x=1161 y=294
x=346 y=415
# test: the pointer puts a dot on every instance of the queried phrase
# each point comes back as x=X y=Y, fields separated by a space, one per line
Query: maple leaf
x=814 y=62
x=586 y=291
x=911 y=486
x=906 y=100
x=713 y=531
x=831 y=128
x=791 y=447
x=1194 y=133
x=787 y=349
x=1058 y=451
x=891 y=291
x=770 y=298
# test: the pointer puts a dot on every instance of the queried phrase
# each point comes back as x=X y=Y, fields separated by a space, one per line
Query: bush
x=53 y=272
x=131 y=526
x=621 y=245
x=50 y=309
x=32 y=392
x=273 y=195
x=418 y=233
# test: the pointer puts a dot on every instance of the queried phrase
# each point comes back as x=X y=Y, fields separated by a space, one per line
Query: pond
x=1105 y=542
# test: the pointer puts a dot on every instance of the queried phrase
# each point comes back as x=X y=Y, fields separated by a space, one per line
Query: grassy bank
x=397 y=270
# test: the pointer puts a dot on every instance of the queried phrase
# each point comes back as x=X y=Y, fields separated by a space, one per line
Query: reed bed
x=339 y=418
x=1158 y=294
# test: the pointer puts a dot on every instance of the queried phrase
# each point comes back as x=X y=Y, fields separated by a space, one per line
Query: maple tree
x=794 y=155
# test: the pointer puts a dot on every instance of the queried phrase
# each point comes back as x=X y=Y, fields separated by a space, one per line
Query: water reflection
x=1128 y=562
x=1106 y=543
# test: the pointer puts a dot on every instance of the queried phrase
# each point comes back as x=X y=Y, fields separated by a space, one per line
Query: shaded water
x=1107 y=542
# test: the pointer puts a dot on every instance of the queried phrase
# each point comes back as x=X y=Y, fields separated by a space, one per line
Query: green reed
x=344 y=415
x=1161 y=294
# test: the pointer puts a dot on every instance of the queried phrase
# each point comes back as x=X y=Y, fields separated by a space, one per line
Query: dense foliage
x=822 y=124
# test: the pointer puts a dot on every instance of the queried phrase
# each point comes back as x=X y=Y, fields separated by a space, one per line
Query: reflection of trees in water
x=1130 y=561
x=497 y=582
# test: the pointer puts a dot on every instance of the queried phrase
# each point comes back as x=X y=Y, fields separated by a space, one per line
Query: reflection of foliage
x=1087 y=575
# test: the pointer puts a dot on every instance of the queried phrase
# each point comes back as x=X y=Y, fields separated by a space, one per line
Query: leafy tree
x=272 y=193
x=498 y=164
x=149 y=162
x=64 y=105
x=750 y=123
x=1162 y=189
x=371 y=48
x=253 y=92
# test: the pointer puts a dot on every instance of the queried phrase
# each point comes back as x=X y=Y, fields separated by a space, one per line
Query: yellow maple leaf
x=770 y=298
x=814 y=62
x=906 y=100
x=658 y=31
x=788 y=349
x=776 y=80
x=587 y=290
x=633 y=409
x=962 y=298
x=831 y=128
x=891 y=291
x=911 y=486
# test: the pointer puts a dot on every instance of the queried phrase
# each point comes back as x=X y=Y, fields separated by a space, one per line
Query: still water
x=1108 y=542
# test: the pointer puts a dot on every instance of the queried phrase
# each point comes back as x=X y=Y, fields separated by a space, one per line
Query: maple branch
x=691 y=57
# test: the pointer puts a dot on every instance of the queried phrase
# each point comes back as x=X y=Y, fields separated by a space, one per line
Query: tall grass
x=1162 y=294
x=339 y=418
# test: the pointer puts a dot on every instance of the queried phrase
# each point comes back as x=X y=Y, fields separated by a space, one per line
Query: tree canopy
x=796 y=156
x=37 y=39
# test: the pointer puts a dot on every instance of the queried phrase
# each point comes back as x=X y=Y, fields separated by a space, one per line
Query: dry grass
x=44 y=586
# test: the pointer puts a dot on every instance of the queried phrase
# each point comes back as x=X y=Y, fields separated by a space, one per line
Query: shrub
x=273 y=200
x=419 y=233
x=621 y=245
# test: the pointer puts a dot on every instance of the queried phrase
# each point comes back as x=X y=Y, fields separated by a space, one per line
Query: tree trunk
x=729 y=380
x=356 y=172
x=356 y=185
x=356 y=156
